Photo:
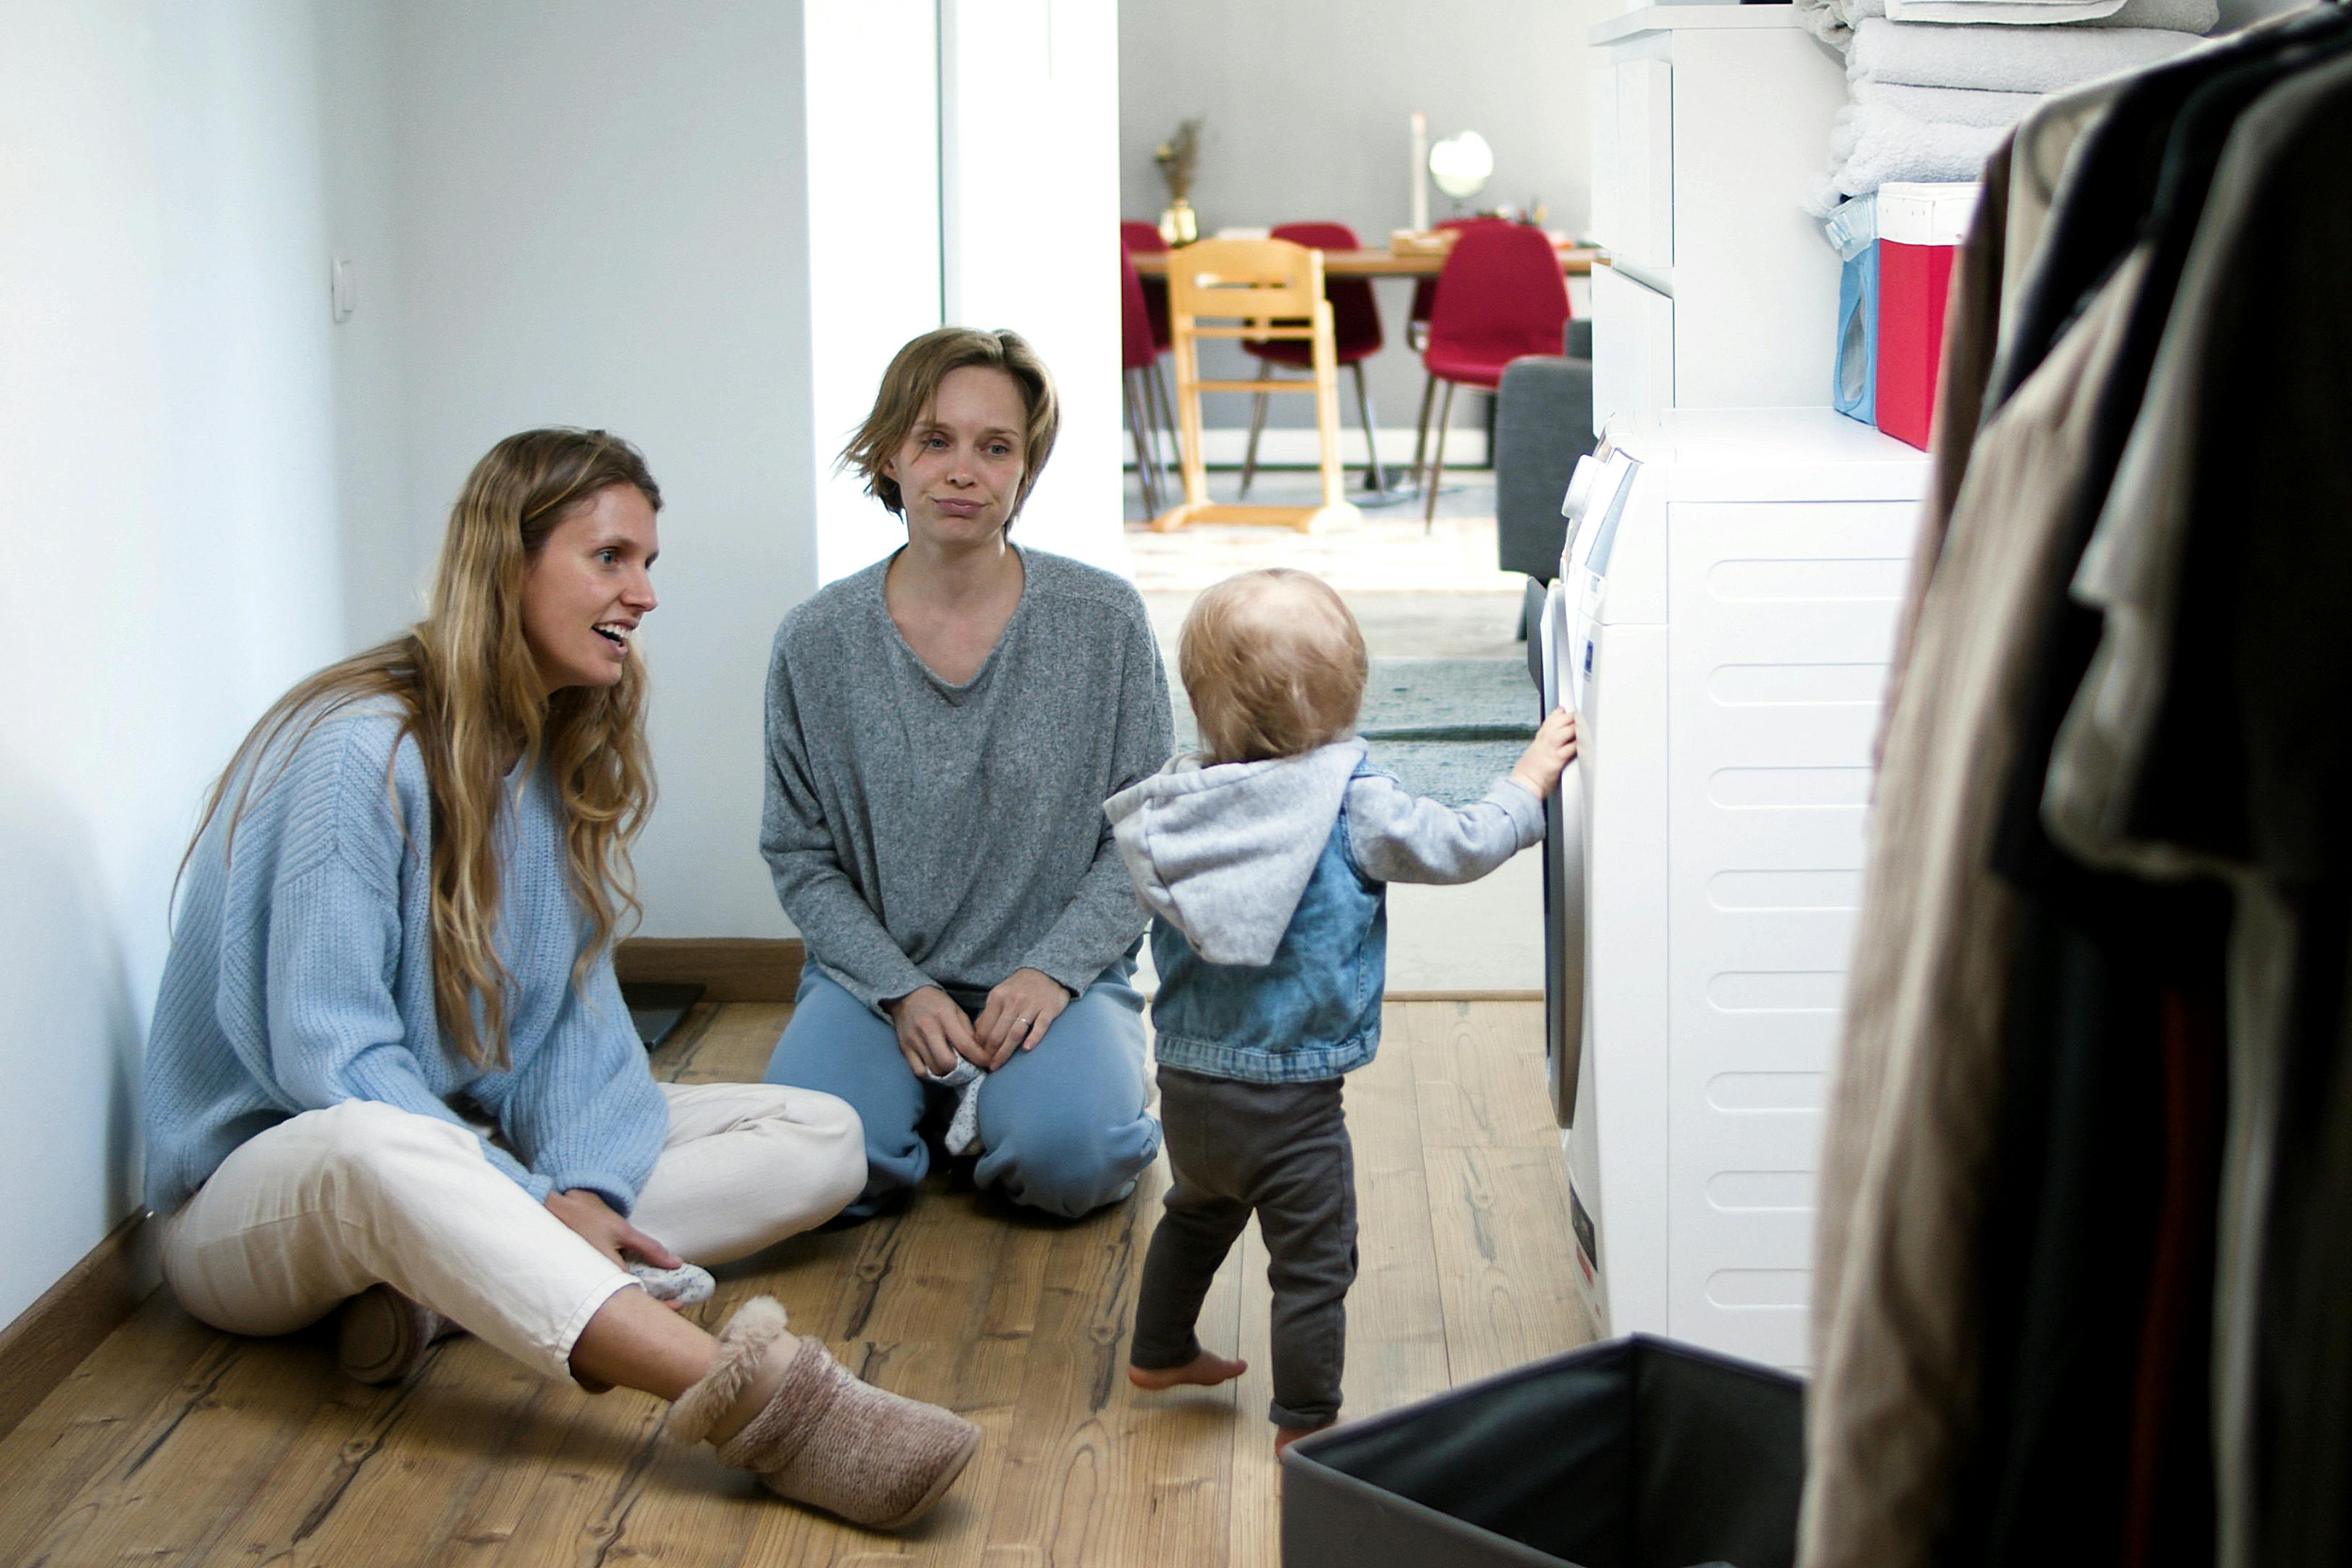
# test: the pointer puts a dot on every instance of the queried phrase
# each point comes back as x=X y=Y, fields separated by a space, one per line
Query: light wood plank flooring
x=172 y=1444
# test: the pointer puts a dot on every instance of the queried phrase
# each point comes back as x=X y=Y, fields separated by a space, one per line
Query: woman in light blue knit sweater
x=389 y=1071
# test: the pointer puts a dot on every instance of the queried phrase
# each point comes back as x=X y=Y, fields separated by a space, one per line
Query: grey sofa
x=1543 y=423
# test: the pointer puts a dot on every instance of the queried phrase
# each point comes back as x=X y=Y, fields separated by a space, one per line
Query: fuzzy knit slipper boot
x=825 y=1439
x=382 y=1335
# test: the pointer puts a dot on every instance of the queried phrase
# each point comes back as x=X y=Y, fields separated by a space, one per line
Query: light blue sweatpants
x=1062 y=1127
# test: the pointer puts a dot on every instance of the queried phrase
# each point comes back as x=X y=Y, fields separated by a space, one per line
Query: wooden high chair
x=1251 y=285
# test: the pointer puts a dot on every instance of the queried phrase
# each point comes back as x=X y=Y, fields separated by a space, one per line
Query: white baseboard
x=1466 y=447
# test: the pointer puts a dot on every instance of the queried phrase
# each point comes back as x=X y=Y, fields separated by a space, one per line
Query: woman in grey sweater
x=942 y=728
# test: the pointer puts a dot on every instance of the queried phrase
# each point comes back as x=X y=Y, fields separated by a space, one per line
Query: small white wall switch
x=343 y=289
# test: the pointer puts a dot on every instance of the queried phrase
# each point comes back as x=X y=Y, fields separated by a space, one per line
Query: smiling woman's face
x=958 y=469
x=590 y=585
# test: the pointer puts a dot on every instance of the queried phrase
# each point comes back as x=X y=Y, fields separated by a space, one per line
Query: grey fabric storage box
x=1635 y=1453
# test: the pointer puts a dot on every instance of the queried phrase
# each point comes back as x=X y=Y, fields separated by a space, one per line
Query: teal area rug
x=1446 y=727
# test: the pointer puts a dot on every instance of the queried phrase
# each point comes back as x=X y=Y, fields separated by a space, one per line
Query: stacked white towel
x=1947 y=105
x=2021 y=12
x=2003 y=60
x=1930 y=99
x=1874 y=144
x=1834 y=21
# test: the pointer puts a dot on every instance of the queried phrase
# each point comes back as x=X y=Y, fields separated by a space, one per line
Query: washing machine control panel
x=1595 y=508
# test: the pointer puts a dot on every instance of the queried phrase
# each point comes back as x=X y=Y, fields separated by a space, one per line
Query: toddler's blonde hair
x=1273 y=665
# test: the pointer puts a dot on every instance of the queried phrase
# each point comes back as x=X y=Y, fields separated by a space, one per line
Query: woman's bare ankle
x=1206 y=1370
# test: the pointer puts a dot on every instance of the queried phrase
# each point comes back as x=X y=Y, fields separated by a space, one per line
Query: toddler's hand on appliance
x=1554 y=747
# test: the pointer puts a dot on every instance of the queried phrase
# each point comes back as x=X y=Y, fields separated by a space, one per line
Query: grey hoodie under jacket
x=1222 y=852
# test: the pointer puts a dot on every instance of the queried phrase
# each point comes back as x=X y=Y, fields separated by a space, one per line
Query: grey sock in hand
x=684 y=1284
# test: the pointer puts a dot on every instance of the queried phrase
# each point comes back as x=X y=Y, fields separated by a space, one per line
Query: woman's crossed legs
x=325 y=1204
x=330 y=1203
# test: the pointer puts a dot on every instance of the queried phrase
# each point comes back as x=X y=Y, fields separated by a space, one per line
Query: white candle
x=1420 y=173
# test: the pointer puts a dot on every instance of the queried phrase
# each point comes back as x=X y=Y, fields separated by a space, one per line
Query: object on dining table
x=1419 y=187
x=1421 y=242
x=1438 y=241
x=1177 y=158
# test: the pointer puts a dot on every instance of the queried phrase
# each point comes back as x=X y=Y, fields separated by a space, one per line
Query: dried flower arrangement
x=1176 y=158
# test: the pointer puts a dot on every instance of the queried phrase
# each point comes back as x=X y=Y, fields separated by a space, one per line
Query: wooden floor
x=174 y=1444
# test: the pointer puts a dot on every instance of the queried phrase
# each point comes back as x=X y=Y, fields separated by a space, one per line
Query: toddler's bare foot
x=1205 y=1370
x=1284 y=1436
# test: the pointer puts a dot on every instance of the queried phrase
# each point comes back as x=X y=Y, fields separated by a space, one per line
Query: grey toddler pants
x=1280 y=1151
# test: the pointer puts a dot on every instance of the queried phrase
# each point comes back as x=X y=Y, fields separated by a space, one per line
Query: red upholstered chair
x=1138 y=359
x=1425 y=289
x=1416 y=336
x=1356 y=331
x=1501 y=296
x=1142 y=239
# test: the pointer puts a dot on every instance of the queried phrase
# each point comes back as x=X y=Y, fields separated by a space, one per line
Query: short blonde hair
x=912 y=385
x=1273 y=665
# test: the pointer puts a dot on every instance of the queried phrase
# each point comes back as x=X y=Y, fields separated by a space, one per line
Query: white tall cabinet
x=1719 y=291
x=1724 y=618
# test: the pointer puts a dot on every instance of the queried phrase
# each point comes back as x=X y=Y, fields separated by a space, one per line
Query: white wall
x=874 y=160
x=1030 y=195
x=168 y=452
x=213 y=488
x=640 y=221
x=993 y=118
x=605 y=222
x=388 y=539
x=1306 y=103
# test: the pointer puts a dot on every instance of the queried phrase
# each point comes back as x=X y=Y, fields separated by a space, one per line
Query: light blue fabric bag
x=1852 y=228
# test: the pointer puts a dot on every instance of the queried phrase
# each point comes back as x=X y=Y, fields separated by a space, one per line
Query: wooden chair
x=1249 y=285
x=1355 y=338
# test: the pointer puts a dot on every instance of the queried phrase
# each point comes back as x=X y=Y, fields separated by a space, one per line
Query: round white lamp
x=1461 y=165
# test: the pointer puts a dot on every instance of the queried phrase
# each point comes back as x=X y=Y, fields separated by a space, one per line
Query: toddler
x=1265 y=862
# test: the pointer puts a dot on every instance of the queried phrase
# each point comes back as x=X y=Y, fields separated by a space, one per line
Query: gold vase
x=1179 y=225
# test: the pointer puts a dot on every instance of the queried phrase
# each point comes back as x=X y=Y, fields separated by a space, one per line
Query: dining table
x=1383 y=261
x=1576 y=260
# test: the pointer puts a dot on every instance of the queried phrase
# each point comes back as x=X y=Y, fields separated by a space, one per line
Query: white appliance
x=1722 y=625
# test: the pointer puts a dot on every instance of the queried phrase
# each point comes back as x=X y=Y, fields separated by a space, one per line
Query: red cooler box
x=1919 y=231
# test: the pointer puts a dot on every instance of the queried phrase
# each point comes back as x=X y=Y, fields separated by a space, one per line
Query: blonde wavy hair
x=470 y=694
x=1274 y=666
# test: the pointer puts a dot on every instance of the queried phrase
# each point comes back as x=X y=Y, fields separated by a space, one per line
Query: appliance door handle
x=1548 y=641
x=1564 y=897
x=1533 y=608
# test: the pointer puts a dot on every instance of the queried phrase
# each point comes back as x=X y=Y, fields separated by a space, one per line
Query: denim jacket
x=1267 y=887
x=1312 y=1012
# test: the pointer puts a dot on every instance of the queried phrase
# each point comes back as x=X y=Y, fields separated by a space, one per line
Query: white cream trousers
x=329 y=1202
